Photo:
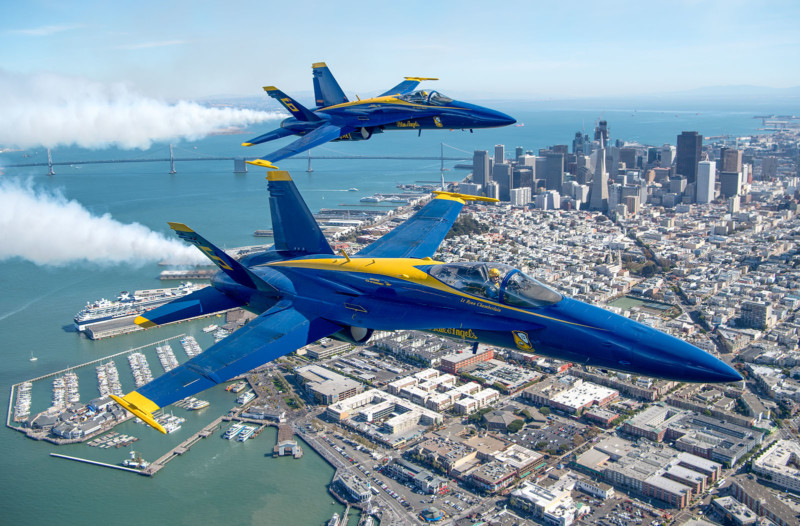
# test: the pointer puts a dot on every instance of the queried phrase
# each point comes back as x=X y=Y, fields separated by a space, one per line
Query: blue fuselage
x=388 y=113
x=393 y=294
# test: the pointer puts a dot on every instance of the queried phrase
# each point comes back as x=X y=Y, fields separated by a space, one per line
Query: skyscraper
x=601 y=133
x=599 y=198
x=519 y=152
x=706 y=178
x=689 y=146
x=480 y=167
x=554 y=177
x=503 y=176
x=730 y=160
x=730 y=183
x=499 y=153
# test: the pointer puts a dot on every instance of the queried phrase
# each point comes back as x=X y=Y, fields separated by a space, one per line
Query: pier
x=94 y=462
x=286 y=445
x=182 y=448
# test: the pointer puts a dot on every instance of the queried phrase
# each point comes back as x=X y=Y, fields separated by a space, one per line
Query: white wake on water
x=49 y=229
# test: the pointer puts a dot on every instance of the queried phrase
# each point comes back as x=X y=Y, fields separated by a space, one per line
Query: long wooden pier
x=181 y=448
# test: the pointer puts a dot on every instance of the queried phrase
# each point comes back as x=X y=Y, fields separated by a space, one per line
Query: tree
x=515 y=426
x=544 y=410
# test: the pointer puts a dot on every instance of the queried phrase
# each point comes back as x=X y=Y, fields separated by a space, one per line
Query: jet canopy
x=495 y=281
x=431 y=98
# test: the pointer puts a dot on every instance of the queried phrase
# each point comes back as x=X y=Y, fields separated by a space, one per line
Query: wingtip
x=179 y=227
x=141 y=407
x=261 y=162
x=247 y=144
x=144 y=323
x=441 y=194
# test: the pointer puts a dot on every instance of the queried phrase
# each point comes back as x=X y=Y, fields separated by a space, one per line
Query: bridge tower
x=309 y=162
x=239 y=165
x=171 y=161
x=50 y=163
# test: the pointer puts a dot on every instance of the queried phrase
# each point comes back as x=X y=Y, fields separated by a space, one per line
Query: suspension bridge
x=240 y=163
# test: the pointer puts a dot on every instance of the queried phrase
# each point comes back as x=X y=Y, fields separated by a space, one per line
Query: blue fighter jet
x=302 y=291
x=338 y=119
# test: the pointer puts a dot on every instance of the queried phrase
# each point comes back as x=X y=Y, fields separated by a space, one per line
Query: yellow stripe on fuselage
x=404 y=269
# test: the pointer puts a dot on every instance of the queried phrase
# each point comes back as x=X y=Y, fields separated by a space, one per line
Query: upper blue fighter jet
x=302 y=292
x=338 y=119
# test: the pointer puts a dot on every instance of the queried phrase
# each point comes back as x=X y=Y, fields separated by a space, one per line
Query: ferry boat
x=246 y=433
x=135 y=462
x=245 y=397
x=371 y=199
x=238 y=387
x=127 y=304
x=197 y=404
x=334 y=520
x=232 y=431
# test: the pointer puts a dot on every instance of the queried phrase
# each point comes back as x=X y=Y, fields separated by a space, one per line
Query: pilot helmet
x=494 y=273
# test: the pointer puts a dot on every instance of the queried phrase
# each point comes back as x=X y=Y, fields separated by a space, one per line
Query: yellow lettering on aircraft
x=473 y=303
x=460 y=333
x=221 y=262
x=288 y=103
x=407 y=124
x=378 y=282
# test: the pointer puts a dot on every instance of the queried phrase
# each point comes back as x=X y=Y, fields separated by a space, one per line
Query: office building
x=601 y=133
x=599 y=197
x=520 y=196
x=706 y=179
x=519 y=152
x=503 y=176
x=554 y=176
x=690 y=145
x=667 y=155
x=481 y=170
x=730 y=160
x=769 y=168
x=499 y=153
x=730 y=183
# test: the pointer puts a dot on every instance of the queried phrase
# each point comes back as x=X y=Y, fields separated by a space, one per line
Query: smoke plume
x=48 y=229
x=51 y=110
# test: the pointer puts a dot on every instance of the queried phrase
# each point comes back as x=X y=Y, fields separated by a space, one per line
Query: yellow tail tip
x=141 y=407
x=262 y=163
x=247 y=144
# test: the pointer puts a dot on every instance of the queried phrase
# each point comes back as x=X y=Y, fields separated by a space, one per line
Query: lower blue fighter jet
x=302 y=291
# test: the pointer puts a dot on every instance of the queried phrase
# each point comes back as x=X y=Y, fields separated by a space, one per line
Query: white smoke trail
x=51 y=110
x=48 y=229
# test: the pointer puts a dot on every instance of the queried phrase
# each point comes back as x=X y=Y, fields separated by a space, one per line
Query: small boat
x=210 y=328
x=33 y=358
x=352 y=189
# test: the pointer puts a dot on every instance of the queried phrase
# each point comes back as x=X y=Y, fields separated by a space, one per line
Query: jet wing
x=407 y=86
x=421 y=235
x=276 y=332
x=321 y=135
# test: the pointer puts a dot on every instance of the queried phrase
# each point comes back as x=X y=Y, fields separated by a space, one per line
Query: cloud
x=43 y=31
x=52 y=110
x=48 y=229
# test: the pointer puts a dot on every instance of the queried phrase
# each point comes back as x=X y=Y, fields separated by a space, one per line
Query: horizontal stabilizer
x=298 y=111
x=201 y=302
x=269 y=136
x=141 y=407
x=321 y=135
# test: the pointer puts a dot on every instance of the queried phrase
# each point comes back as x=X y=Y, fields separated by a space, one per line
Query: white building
x=706 y=178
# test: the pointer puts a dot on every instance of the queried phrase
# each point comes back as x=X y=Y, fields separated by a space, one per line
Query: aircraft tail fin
x=298 y=111
x=294 y=228
x=326 y=90
x=238 y=272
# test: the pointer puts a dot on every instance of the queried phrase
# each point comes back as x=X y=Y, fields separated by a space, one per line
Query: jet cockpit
x=497 y=282
x=430 y=98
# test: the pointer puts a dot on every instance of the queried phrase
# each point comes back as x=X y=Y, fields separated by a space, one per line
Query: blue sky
x=529 y=50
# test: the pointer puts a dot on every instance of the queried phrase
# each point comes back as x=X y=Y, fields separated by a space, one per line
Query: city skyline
x=187 y=50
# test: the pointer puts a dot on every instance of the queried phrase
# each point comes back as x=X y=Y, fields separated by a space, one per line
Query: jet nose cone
x=717 y=371
x=502 y=119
